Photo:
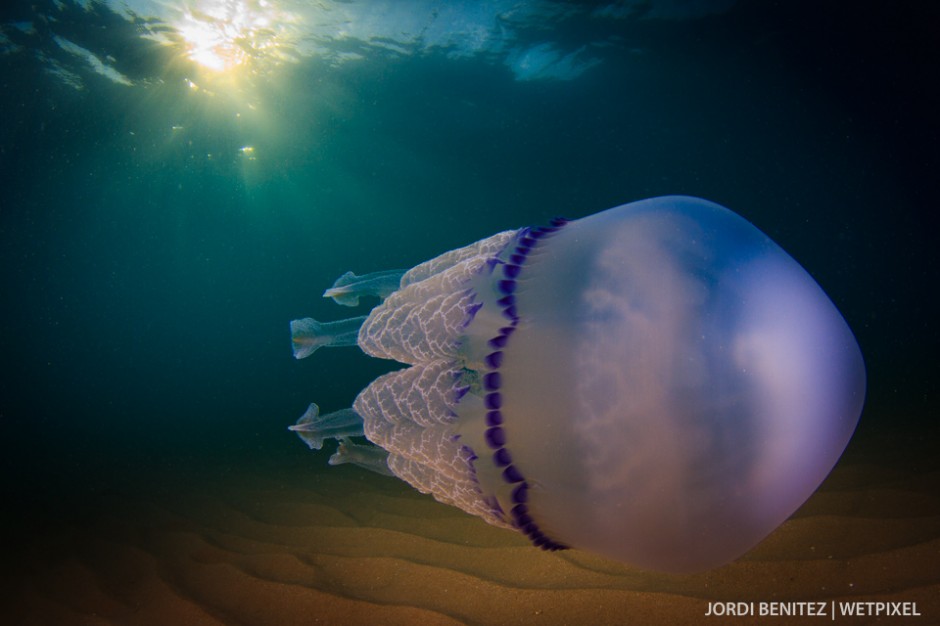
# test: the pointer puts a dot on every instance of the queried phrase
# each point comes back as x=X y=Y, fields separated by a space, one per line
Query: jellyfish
x=659 y=383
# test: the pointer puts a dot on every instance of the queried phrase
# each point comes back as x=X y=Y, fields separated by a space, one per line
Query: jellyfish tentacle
x=307 y=335
x=485 y=248
x=463 y=492
x=314 y=428
x=348 y=288
x=425 y=320
x=424 y=394
x=411 y=414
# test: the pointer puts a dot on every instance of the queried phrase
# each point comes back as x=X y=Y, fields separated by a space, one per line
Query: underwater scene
x=469 y=312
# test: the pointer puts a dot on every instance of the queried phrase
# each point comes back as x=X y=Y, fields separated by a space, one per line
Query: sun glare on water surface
x=228 y=63
x=222 y=35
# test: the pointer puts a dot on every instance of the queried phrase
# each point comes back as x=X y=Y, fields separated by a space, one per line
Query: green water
x=156 y=237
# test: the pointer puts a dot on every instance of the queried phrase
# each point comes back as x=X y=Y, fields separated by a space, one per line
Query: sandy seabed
x=299 y=543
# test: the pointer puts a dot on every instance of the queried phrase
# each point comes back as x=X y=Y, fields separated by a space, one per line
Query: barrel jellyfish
x=658 y=383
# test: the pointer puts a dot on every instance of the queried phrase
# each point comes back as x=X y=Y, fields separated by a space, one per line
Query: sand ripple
x=312 y=545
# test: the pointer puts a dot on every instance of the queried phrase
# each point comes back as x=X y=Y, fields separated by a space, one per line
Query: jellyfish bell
x=658 y=383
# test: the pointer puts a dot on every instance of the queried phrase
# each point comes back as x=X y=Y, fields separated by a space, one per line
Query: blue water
x=161 y=222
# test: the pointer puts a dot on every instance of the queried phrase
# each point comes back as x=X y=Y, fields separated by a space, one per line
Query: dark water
x=156 y=238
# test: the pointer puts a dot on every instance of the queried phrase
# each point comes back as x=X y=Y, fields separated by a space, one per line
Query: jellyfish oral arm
x=372 y=458
x=307 y=335
x=348 y=288
x=314 y=428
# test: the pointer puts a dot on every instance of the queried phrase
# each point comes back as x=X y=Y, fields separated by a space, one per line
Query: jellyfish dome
x=659 y=383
